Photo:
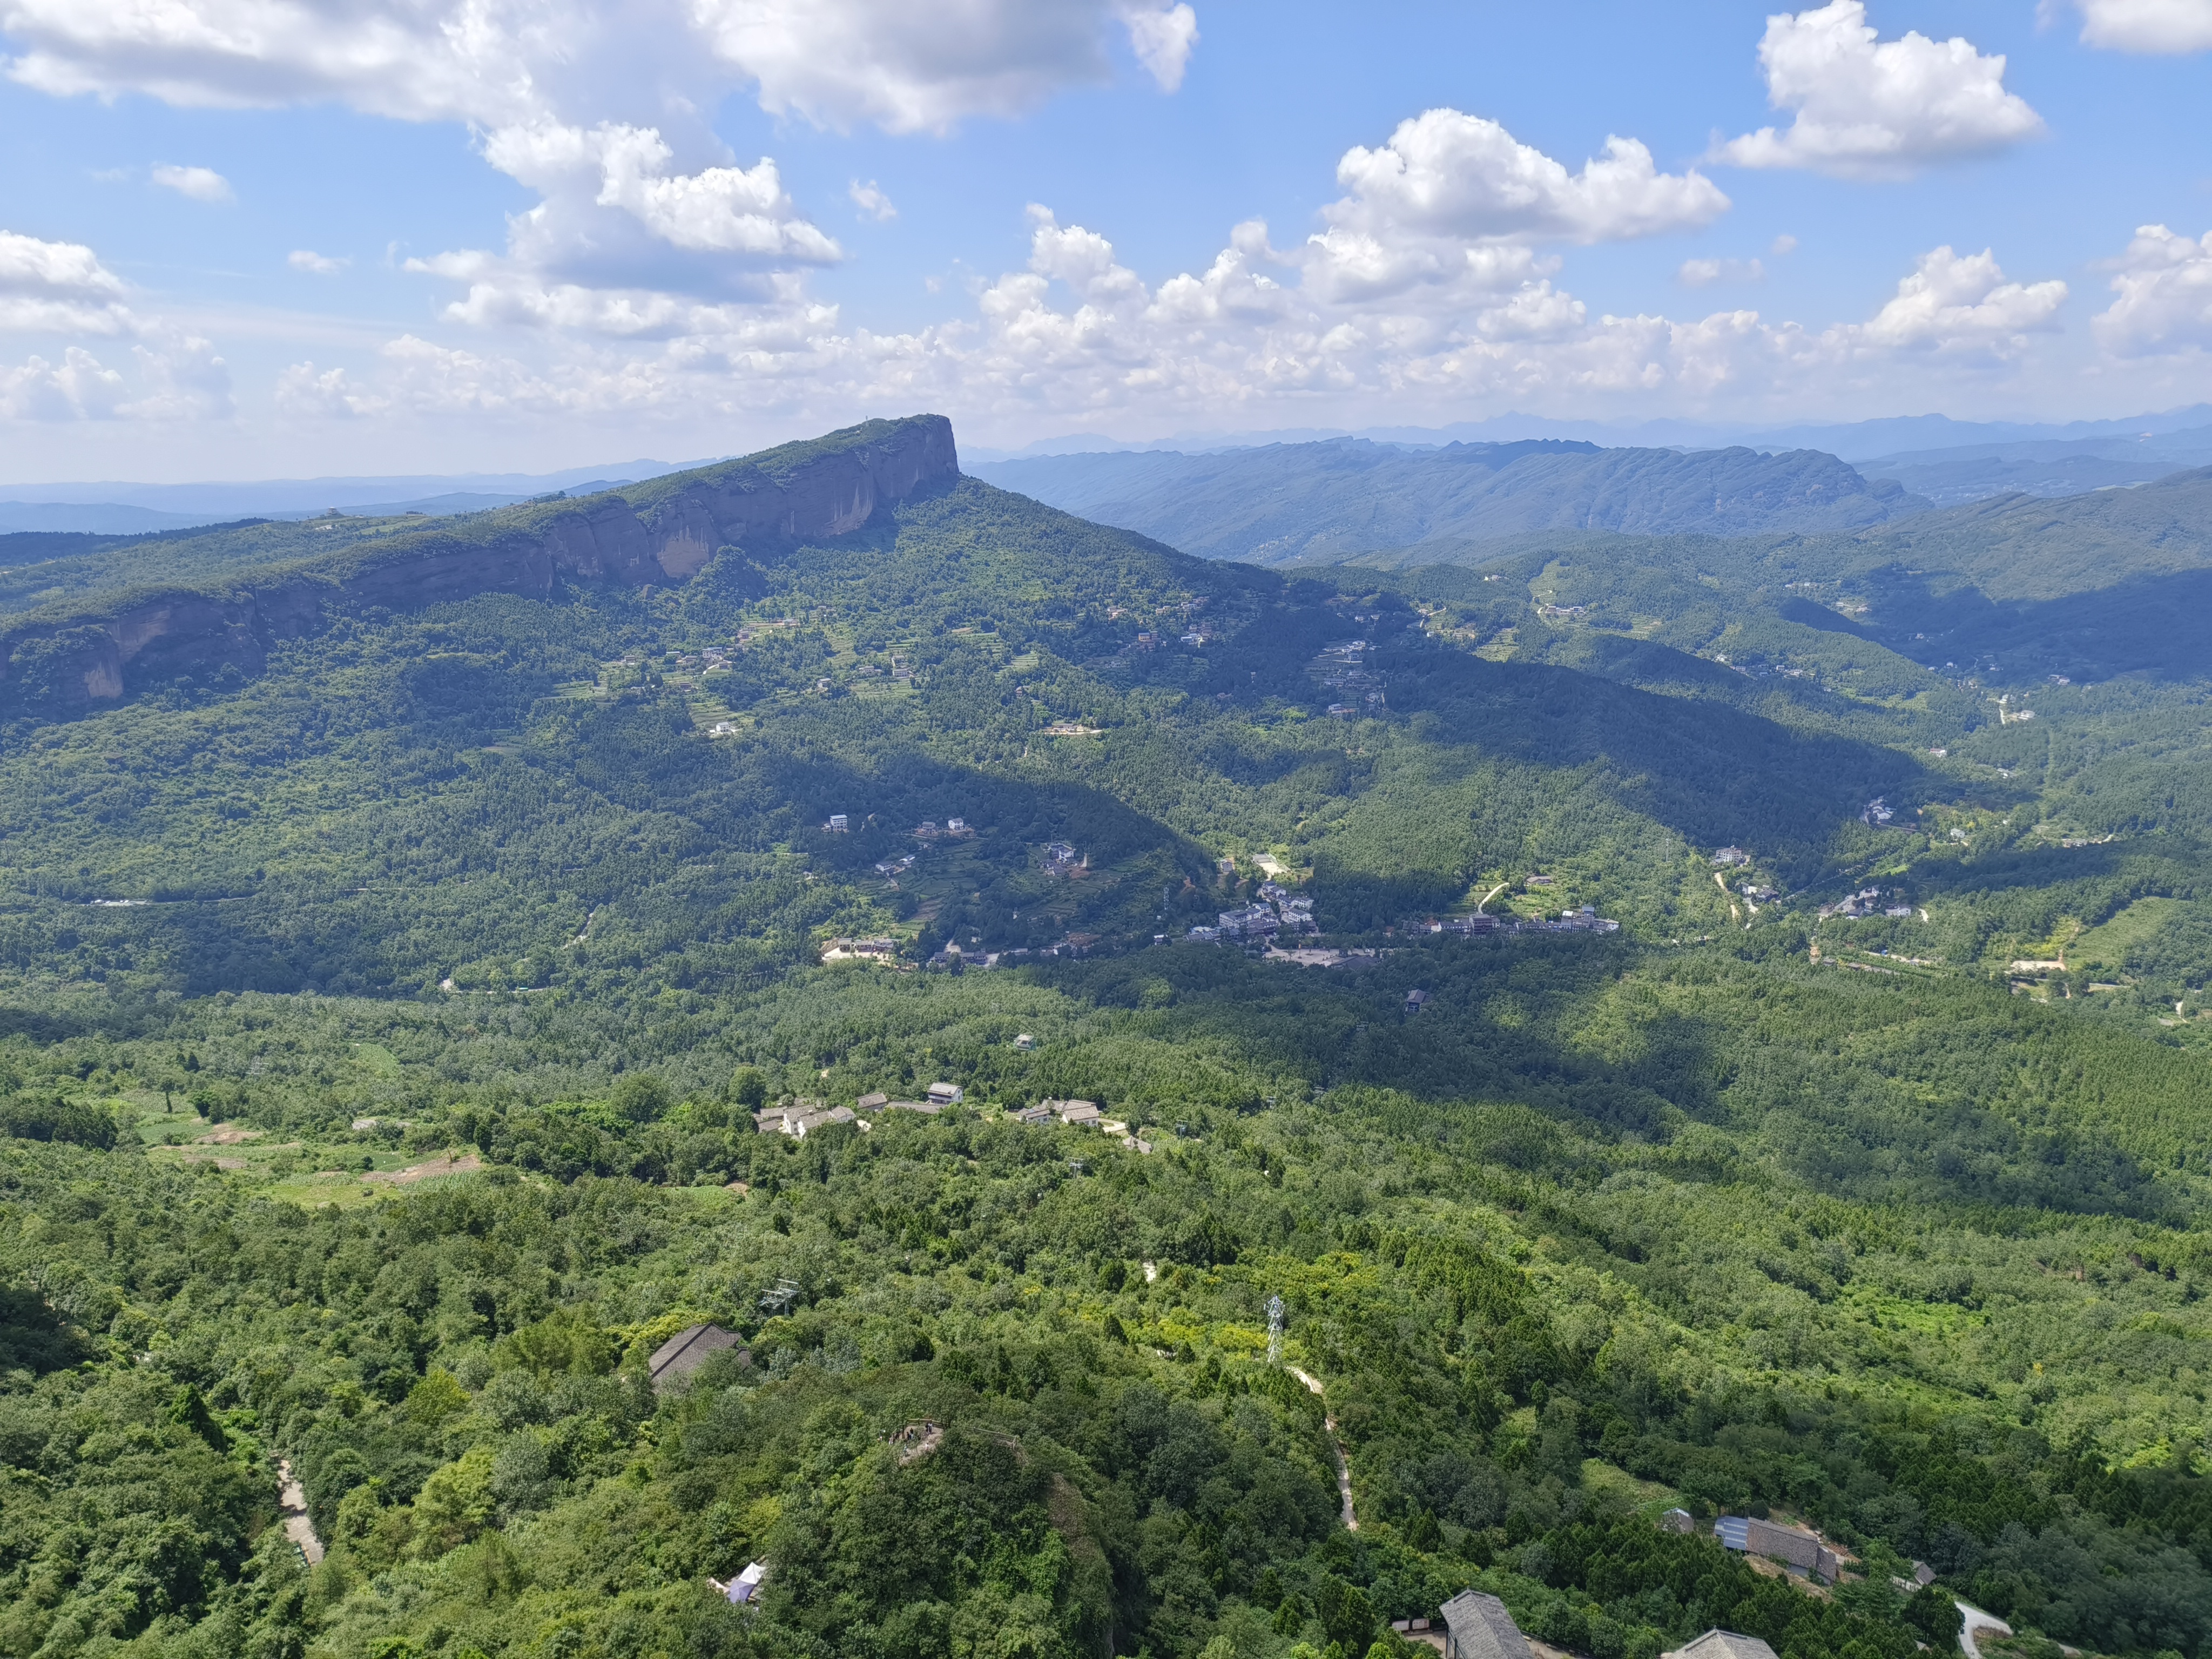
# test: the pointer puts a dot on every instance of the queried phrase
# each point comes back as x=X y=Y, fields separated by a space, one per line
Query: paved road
x=1979 y=1620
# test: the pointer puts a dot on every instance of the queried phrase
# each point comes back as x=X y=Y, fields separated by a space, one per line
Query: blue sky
x=264 y=237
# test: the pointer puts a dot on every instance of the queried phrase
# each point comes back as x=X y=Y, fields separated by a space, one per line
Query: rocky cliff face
x=665 y=532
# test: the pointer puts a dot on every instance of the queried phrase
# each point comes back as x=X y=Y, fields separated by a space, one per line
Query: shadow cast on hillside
x=1710 y=772
x=1507 y=1031
x=2158 y=627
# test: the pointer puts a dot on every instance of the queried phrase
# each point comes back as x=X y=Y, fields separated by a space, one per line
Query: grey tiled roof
x=1477 y=1627
x=1722 y=1644
x=686 y=1350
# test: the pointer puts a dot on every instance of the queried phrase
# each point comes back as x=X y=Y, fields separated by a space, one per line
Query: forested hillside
x=1316 y=503
x=385 y=1011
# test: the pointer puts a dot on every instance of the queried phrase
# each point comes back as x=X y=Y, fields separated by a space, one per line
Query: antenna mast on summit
x=1274 y=1330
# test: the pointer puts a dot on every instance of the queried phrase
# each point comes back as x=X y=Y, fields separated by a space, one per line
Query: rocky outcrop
x=664 y=532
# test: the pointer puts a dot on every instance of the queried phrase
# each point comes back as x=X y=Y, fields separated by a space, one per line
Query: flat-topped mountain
x=1320 y=502
x=81 y=654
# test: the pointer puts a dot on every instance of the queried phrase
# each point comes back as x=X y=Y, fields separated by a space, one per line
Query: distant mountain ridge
x=1323 y=502
x=69 y=658
x=1854 y=441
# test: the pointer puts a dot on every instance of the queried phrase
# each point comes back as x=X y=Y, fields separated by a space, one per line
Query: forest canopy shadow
x=1712 y=773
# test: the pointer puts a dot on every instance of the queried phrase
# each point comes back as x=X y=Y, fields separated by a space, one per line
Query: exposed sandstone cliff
x=664 y=532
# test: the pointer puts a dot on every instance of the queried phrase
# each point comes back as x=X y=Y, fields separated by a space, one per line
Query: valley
x=399 y=935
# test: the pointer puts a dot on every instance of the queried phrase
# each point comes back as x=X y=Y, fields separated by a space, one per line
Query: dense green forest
x=381 y=1033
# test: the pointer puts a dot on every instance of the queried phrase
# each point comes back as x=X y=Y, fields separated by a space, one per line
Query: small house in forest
x=676 y=1359
x=1477 y=1627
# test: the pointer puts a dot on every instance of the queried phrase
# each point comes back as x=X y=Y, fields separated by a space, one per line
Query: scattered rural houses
x=859 y=950
x=801 y=1118
x=1866 y=902
x=1877 y=811
x=872 y=1103
x=946 y=1094
x=839 y=824
x=675 y=1360
x=1477 y=1627
x=1730 y=856
x=1584 y=920
x=1795 y=1549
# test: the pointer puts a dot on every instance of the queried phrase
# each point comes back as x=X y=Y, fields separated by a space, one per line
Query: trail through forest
x=1343 y=1468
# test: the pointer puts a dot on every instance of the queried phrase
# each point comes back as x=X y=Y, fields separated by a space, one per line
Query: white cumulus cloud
x=1962 y=303
x=716 y=209
x=314 y=263
x=200 y=184
x=78 y=388
x=1863 y=107
x=180 y=378
x=59 y=288
x=1447 y=174
x=925 y=68
x=2163 y=26
x=2163 y=296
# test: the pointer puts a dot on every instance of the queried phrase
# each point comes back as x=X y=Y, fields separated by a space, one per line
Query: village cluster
x=1278 y=911
x=802 y=1117
x=1342 y=667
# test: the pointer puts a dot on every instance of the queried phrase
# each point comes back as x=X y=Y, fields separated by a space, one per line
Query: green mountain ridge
x=385 y=1013
x=1321 y=502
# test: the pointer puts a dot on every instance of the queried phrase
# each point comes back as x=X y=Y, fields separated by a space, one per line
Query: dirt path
x=1343 y=1468
x=292 y=1498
